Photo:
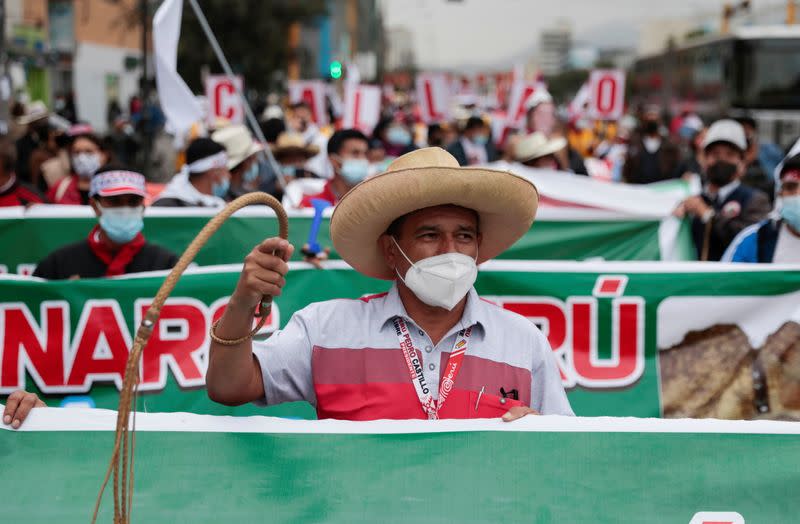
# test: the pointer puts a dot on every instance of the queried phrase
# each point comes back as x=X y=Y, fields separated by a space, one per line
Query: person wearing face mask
x=535 y=150
x=726 y=206
x=204 y=180
x=651 y=157
x=396 y=137
x=428 y=348
x=291 y=152
x=87 y=155
x=776 y=239
x=475 y=146
x=243 y=163
x=347 y=153
x=116 y=245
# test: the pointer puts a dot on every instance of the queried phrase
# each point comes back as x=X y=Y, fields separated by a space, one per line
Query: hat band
x=117 y=182
x=211 y=162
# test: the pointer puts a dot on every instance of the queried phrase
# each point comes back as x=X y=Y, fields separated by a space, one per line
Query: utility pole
x=144 y=89
x=5 y=81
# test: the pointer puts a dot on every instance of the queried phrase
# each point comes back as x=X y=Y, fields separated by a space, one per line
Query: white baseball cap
x=728 y=131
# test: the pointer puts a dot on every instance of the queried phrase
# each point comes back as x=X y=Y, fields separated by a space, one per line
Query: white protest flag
x=177 y=101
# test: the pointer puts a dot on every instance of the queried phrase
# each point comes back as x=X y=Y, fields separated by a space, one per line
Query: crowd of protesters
x=48 y=159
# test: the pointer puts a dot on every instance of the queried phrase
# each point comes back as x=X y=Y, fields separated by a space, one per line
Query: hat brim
x=308 y=151
x=25 y=120
x=552 y=147
x=254 y=148
x=506 y=205
x=122 y=190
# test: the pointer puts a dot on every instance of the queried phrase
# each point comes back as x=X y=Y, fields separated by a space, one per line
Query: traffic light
x=336 y=69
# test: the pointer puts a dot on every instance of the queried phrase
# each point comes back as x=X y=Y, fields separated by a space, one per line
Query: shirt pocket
x=490 y=406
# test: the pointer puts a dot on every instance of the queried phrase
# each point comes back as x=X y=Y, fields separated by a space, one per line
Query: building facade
x=87 y=51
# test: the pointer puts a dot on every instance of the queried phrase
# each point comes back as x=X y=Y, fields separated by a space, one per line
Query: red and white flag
x=521 y=91
x=362 y=107
x=577 y=108
x=312 y=92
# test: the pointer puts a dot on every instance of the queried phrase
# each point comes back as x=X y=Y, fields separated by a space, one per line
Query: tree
x=253 y=35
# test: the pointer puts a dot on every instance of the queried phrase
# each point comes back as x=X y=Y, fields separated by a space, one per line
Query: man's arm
x=756 y=210
x=234 y=376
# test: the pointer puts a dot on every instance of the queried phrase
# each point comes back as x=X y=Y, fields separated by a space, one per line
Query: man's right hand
x=264 y=272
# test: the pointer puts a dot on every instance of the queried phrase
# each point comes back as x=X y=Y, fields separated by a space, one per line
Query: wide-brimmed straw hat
x=506 y=206
x=35 y=111
x=536 y=145
x=238 y=142
x=293 y=144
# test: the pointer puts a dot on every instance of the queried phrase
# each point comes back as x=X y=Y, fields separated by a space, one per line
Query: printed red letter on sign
x=222 y=94
x=178 y=339
x=100 y=347
x=41 y=351
x=627 y=346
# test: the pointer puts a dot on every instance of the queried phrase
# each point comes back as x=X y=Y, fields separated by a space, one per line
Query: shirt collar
x=725 y=191
x=474 y=311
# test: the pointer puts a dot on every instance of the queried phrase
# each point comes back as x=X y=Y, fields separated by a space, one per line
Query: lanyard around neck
x=414 y=364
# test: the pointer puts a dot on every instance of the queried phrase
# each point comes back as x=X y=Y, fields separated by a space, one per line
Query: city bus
x=753 y=71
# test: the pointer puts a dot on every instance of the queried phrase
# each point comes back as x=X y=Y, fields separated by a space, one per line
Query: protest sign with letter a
x=312 y=93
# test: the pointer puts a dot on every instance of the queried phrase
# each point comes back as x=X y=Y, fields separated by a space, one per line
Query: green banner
x=546 y=470
x=631 y=339
x=556 y=235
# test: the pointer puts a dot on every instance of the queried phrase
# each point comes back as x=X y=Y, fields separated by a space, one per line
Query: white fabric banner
x=177 y=101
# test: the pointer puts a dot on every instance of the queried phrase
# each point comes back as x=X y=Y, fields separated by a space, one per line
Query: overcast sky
x=467 y=32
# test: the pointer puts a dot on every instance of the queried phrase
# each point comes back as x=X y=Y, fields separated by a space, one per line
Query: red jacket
x=19 y=195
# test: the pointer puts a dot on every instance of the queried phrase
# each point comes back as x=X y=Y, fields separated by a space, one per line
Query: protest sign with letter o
x=606 y=94
x=223 y=98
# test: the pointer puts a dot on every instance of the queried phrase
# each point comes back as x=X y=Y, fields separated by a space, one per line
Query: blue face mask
x=121 y=224
x=398 y=136
x=790 y=211
x=354 y=170
x=252 y=173
x=288 y=171
x=220 y=189
x=481 y=140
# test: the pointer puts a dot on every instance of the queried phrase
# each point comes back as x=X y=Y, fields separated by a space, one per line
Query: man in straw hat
x=429 y=348
x=536 y=150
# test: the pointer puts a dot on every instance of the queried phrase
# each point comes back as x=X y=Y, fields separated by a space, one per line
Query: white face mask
x=442 y=280
x=652 y=144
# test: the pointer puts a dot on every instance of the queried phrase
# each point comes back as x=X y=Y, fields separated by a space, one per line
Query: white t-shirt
x=787 y=250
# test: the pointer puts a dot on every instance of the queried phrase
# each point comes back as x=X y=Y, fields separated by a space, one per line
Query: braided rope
x=119 y=463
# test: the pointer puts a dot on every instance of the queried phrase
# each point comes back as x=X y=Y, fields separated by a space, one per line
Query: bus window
x=771 y=76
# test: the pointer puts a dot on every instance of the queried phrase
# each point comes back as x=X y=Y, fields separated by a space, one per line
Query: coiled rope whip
x=121 y=464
